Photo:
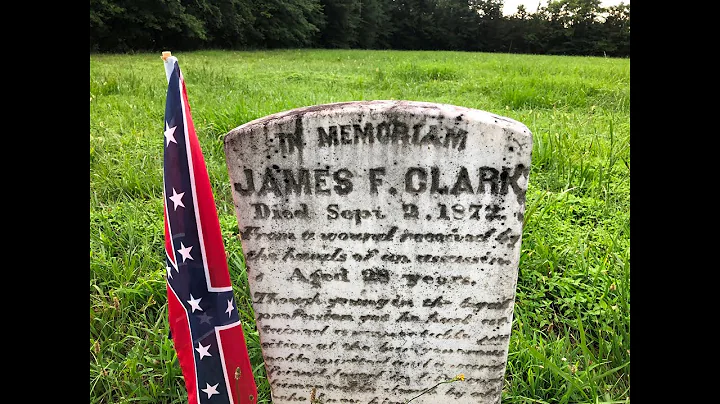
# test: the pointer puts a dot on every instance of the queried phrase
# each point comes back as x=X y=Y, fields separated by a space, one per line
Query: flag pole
x=169 y=60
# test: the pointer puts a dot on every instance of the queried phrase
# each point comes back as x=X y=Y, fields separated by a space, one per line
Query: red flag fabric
x=203 y=316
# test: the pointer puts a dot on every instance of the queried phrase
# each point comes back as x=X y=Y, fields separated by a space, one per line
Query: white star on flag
x=168 y=271
x=170 y=134
x=185 y=252
x=177 y=199
x=210 y=390
x=195 y=303
x=230 y=307
x=203 y=350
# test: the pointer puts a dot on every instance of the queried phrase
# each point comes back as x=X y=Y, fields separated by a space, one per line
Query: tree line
x=567 y=27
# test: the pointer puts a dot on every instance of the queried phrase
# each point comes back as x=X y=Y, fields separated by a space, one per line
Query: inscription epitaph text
x=382 y=241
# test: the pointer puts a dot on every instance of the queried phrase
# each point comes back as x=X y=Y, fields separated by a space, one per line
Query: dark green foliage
x=287 y=23
x=616 y=38
x=375 y=26
x=491 y=25
x=229 y=23
x=129 y=25
x=562 y=27
x=135 y=25
x=342 y=23
x=413 y=24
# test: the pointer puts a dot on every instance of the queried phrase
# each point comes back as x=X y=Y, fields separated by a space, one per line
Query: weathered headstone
x=382 y=241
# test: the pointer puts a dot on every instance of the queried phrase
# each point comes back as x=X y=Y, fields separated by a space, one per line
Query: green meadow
x=570 y=339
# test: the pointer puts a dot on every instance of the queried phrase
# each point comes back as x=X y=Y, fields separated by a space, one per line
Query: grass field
x=570 y=339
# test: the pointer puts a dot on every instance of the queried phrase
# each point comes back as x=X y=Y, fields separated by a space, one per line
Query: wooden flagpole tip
x=166 y=55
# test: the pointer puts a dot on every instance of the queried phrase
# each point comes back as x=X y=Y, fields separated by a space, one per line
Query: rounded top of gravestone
x=401 y=108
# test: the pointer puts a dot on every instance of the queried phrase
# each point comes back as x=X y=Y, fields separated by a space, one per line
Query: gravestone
x=382 y=241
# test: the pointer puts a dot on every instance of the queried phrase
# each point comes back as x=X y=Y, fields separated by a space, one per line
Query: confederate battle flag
x=202 y=312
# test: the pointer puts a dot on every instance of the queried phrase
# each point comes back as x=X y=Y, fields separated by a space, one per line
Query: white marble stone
x=382 y=241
